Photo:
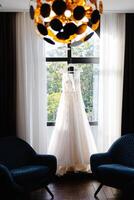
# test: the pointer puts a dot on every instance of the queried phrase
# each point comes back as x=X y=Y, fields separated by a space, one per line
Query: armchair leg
x=48 y=190
x=98 y=189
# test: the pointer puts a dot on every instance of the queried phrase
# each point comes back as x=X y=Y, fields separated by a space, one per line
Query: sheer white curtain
x=31 y=85
x=111 y=79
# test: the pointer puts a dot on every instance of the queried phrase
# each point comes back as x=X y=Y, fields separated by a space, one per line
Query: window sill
x=95 y=123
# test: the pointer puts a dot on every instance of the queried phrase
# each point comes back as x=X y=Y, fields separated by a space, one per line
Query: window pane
x=58 y=50
x=87 y=49
x=89 y=86
x=54 y=84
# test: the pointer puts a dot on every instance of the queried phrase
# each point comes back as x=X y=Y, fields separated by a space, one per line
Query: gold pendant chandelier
x=66 y=21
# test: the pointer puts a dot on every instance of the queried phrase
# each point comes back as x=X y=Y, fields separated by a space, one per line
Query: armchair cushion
x=28 y=176
x=115 y=175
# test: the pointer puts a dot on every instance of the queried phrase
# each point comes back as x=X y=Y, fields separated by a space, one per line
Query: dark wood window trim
x=91 y=123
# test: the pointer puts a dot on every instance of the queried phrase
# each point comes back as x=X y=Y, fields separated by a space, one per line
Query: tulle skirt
x=72 y=141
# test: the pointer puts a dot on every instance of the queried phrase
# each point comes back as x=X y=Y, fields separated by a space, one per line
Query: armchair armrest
x=48 y=160
x=99 y=159
x=6 y=180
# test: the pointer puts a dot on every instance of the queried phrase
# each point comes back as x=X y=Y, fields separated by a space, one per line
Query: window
x=84 y=56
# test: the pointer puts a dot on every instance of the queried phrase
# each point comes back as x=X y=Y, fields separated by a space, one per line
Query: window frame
x=73 y=60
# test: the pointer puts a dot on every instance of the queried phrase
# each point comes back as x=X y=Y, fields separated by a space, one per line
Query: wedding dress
x=72 y=141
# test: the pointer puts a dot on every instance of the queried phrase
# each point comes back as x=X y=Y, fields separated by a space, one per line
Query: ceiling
x=109 y=5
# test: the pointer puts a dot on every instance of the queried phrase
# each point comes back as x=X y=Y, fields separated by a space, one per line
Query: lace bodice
x=71 y=82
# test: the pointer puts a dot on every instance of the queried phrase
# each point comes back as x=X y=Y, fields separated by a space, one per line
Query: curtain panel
x=128 y=90
x=112 y=39
x=7 y=74
x=31 y=85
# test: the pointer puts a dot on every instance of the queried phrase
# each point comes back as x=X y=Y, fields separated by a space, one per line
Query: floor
x=81 y=187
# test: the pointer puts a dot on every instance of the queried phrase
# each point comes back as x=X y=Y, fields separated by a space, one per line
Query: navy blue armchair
x=115 y=168
x=22 y=170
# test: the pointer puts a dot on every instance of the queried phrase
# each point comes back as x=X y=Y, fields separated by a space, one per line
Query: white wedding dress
x=72 y=141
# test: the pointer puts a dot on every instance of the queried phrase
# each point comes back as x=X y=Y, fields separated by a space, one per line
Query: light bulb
x=52 y=14
x=85 y=19
x=67 y=13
